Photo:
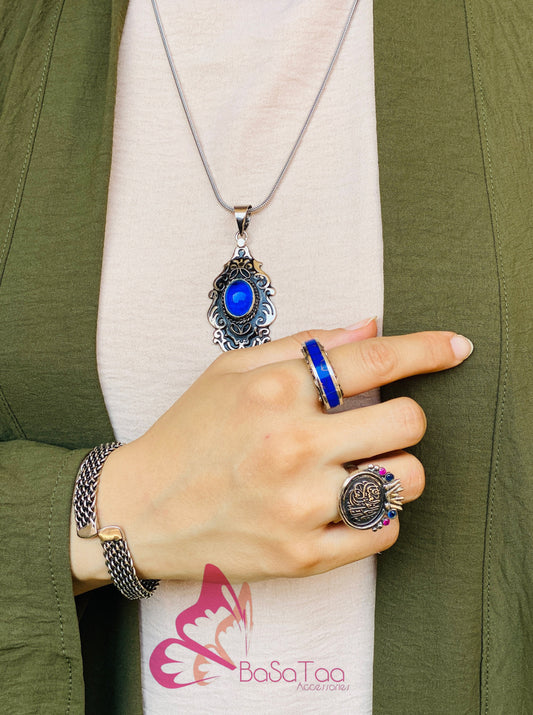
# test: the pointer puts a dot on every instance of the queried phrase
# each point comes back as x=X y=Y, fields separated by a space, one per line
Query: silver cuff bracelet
x=116 y=553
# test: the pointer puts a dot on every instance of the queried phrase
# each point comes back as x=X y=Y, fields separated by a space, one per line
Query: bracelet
x=116 y=553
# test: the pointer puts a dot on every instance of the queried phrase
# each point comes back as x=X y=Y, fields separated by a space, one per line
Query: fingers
x=361 y=366
x=376 y=429
x=271 y=388
x=290 y=348
x=337 y=544
x=405 y=467
x=361 y=361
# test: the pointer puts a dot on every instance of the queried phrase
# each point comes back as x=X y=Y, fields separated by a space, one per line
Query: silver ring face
x=370 y=498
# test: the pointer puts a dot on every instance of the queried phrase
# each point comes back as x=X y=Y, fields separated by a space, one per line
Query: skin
x=244 y=470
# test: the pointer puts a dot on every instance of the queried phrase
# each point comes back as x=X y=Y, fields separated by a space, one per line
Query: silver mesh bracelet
x=116 y=553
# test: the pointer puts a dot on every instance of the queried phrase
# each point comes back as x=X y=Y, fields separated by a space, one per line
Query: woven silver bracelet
x=116 y=553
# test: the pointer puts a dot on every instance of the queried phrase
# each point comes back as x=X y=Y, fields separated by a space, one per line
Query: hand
x=245 y=468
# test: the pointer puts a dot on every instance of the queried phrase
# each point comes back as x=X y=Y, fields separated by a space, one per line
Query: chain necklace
x=241 y=310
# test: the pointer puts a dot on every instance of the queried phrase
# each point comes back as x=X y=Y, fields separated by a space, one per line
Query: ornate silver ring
x=370 y=498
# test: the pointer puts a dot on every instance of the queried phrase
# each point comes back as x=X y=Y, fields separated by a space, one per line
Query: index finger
x=371 y=363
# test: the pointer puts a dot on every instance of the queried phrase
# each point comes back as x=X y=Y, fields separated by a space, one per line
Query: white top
x=250 y=72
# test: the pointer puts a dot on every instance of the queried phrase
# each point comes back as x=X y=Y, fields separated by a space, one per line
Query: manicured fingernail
x=462 y=347
x=362 y=323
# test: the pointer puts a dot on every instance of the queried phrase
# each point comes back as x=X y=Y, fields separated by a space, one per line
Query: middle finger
x=359 y=434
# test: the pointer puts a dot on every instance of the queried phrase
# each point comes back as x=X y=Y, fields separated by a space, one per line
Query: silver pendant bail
x=242 y=216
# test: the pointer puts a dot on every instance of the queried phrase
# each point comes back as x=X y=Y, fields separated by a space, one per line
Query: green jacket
x=455 y=595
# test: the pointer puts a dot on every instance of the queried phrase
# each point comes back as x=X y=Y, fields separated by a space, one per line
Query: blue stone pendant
x=241 y=309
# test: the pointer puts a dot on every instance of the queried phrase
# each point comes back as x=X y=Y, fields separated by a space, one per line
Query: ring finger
x=405 y=467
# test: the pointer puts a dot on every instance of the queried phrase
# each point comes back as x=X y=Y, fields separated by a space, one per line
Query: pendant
x=241 y=310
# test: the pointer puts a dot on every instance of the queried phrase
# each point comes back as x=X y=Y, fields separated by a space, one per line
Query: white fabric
x=250 y=71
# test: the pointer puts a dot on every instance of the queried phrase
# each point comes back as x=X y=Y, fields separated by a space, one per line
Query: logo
x=212 y=640
x=304 y=672
x=212 y=635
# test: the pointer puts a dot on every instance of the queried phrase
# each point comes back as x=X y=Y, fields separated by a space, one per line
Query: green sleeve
x=40 y=654
x=57 y=92
x=45 y=667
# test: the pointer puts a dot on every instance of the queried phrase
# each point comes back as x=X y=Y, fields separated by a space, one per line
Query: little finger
x=338 y=544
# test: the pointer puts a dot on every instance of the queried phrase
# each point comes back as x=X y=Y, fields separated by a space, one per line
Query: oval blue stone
x=239 y=298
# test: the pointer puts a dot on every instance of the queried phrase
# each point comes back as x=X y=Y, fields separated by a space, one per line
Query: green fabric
x=454 y=103
x=57 y=91
x=453 y=614
x=54 y=192
x=40 y=658
x=504 y=96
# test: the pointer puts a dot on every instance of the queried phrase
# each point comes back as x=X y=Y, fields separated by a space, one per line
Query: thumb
x=290 y=347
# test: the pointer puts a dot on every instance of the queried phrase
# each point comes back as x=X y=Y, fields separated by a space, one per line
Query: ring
x=370 y=498
x=326 y=382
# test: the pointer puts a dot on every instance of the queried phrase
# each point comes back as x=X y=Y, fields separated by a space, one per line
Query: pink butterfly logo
x=220 y=621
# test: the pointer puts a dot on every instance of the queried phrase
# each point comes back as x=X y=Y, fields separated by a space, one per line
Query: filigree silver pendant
x=241 y=309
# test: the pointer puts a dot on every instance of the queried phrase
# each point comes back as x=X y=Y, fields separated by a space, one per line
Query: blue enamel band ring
x=370 y=498
x=329 y=390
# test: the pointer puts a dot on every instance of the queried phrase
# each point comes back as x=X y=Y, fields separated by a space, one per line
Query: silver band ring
x=326 y=382
x=370 y=498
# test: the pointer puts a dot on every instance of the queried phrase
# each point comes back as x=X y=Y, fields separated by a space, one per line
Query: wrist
x=122 y=500
x=87 y=563
x=88 y=526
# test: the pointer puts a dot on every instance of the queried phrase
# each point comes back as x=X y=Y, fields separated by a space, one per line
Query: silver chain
x=224 y=204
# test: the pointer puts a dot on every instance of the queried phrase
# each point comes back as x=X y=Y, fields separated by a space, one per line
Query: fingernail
x=462 y=347
x=362 y=323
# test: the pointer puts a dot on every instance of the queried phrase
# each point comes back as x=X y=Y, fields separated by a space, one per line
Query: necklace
x=242 y=310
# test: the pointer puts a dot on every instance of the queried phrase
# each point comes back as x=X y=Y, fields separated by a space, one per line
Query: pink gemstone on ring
x=386 y=522
x=383 y=471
